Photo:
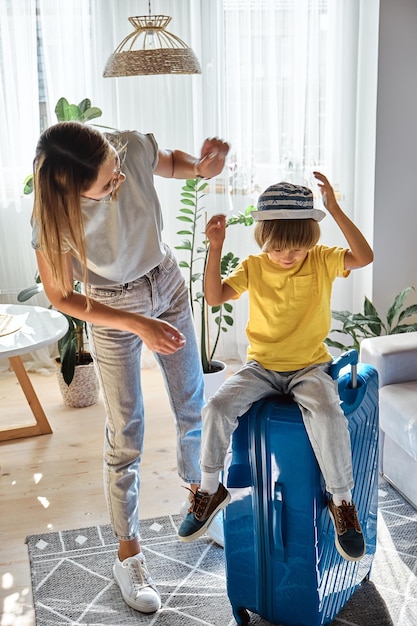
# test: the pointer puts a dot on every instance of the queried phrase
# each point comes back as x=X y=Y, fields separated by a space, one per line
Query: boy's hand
x=327 y=192
x=216 y=231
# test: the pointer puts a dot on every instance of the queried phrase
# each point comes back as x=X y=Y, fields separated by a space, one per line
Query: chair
x=395 y=358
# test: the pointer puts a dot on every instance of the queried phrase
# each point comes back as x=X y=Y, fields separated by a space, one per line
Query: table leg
x=42 y=426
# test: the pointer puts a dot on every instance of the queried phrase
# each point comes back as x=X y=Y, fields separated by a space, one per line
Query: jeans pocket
x=105 y=296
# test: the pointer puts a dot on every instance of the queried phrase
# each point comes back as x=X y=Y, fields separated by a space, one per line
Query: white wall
x=395 y=213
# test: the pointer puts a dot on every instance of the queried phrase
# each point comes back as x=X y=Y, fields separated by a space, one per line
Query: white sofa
x=395 y=358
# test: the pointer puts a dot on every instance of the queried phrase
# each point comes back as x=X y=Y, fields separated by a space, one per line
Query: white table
x=36 y=327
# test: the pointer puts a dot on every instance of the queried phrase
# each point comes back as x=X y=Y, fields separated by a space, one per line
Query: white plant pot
x=84 y=388
x=214 y=380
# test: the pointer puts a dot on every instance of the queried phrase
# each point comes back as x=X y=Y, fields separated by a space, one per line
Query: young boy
x=289 y=286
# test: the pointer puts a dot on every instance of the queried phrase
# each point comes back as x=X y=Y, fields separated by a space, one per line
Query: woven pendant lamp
x=156 y=51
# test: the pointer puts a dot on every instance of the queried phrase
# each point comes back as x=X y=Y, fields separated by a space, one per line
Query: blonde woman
x=97 y=219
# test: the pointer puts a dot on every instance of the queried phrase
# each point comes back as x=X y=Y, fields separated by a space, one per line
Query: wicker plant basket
x=84 y=388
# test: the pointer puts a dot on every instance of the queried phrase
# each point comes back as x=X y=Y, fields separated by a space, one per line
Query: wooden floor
x=54 y=482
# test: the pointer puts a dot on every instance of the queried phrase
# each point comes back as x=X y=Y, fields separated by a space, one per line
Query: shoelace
x=198 y=502
x=347 y=516
x=138 y=573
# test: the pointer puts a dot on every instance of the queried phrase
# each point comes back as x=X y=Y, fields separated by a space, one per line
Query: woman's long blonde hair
x=67 y=162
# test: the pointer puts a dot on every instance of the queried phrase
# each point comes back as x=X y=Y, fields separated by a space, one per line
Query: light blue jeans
x=317 y=396
x=162 y=294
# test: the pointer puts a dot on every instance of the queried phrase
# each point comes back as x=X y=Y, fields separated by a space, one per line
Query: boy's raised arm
x=360 y=253
x=216 y=292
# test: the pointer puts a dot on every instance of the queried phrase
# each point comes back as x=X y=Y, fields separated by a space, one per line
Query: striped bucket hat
x=285 y=201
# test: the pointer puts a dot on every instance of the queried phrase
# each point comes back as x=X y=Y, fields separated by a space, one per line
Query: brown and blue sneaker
x=203 y=509
x=349 y=539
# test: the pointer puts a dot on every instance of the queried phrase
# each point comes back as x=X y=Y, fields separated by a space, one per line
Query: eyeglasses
x=112 y=186
x=117 y=174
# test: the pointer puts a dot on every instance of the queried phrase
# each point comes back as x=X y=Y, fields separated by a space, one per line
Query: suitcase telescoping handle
x=349 y=357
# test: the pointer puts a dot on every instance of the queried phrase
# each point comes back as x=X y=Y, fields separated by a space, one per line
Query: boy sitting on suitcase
x=289 y=286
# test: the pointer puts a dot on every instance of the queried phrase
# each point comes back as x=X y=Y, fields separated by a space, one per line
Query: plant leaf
x=61 y=109
x=341 y=316
x=397 y=304
x=68 y=360
x=186 y=245
x=404 y=328
x=336 y=344
x=369 y=308
x=28 y=185
x=29 y=292
x=91 y=113
x=408 y=312
x=84 y=105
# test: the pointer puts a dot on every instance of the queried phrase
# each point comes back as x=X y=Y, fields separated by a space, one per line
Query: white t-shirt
x=123 y=236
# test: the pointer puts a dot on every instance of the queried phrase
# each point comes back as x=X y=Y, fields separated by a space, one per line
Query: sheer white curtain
x=279 y=81
x=45 y=53
x=19 y=129
x=288 y=72
x=67 y=53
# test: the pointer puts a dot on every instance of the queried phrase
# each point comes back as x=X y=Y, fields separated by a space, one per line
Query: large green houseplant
x=194 y=244
x=370 y=323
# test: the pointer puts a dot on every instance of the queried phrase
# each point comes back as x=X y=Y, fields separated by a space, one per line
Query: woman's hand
x=213 y=158
x=159 y=336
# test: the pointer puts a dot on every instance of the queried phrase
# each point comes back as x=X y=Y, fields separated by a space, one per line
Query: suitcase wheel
x=241 y=616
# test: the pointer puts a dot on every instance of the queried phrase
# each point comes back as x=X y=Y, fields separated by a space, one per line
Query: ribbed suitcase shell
x=281 y=562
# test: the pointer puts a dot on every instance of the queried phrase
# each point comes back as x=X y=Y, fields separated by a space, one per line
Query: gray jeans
x=162 y=294
x=316 y=394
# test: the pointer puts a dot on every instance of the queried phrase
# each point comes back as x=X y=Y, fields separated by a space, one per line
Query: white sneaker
x=136 y=585
x=215 y=530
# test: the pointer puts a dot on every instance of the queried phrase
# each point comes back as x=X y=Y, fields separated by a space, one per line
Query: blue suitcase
x=281 y=562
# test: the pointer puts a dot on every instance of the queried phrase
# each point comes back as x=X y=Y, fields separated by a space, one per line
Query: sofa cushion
x=394 y=356
x=398 y=415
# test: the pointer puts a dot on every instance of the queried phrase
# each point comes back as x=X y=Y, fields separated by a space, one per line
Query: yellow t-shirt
x=289 y=309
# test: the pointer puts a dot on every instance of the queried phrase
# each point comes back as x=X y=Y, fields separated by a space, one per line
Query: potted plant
x=76 y=375
x=195 y=245
x=370 y=324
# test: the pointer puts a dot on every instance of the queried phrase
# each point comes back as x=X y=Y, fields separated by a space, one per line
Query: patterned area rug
x=72 y=576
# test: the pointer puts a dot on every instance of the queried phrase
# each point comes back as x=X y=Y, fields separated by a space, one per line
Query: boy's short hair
x=287 y=234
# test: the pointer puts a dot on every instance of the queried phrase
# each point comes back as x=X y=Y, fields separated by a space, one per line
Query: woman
x=97 y=219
